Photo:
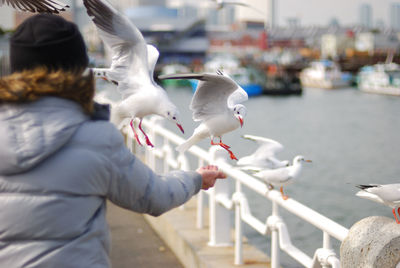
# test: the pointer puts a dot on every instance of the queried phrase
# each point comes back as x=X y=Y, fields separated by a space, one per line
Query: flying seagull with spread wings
x=132 y=67
x=217 y=104
x=46 y=6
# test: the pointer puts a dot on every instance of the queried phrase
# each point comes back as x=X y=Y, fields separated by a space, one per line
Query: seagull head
x=172 y=114
x=299 y=159
x=239 y=111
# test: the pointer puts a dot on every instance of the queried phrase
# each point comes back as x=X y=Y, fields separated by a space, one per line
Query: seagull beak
x=180 y=127
x=309 y=161
x=241 y=121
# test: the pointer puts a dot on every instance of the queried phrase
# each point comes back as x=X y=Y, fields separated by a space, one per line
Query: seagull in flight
x=264 y=156
x=132 y=69
x=386 y=194
x=282 y=176
x=216 y=103
x=223 y=3
x=46 y=6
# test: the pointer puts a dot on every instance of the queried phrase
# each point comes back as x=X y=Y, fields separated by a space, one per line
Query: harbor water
x=351 y=137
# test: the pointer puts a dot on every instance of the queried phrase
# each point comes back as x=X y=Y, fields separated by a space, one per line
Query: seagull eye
x=174 y=117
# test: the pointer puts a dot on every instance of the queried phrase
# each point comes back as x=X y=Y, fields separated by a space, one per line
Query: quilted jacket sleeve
x=136 y=187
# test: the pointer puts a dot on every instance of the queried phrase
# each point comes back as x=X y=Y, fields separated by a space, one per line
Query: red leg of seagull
x=285 y=197
x=226 y=147
x=148 y=142
x=395 y=216
x=134 y=132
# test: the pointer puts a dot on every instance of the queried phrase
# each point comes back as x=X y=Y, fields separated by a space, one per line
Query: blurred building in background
x=395 y=16
x=365 y=15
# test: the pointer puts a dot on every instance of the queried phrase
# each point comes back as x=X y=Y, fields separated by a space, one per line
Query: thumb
x=221 y=175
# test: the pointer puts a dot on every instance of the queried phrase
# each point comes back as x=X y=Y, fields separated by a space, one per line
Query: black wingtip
x=365 y=186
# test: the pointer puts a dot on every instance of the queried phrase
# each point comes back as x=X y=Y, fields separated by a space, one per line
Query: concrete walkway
x=134 y=243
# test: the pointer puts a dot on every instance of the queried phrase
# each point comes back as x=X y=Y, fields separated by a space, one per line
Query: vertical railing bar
x=275 y=261
x=200 y=204
x=238 y=228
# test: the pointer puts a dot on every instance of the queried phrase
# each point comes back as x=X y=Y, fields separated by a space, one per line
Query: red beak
x=180 y=127
x=241 y=121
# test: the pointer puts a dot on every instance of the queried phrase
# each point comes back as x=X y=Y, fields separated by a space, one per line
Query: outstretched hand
x=209 y=175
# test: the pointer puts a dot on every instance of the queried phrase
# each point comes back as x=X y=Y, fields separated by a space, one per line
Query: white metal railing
x=222 y=201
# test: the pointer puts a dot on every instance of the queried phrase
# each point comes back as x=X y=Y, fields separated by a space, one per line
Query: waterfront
x=351 y=137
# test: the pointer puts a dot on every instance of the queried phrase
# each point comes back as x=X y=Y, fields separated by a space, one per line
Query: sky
x=314 y=12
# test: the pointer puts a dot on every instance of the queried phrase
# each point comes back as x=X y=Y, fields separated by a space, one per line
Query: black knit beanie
x=50 y=41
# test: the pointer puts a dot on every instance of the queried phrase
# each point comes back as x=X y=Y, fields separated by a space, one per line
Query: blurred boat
x=281 y=81
x=249 y=79
x=324 y=74
x=382 y=78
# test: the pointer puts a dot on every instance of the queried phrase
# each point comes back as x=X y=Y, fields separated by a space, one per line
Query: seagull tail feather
x=187 y=144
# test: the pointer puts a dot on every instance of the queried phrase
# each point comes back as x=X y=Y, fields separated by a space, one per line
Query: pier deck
x=146 y=241
x=134 y=243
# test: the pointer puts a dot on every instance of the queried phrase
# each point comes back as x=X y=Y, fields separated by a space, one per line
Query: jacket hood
x=33 y=124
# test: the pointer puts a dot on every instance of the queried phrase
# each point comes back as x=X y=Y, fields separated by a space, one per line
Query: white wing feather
x=129 y=49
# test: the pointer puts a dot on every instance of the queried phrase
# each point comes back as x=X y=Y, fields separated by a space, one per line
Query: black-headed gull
x=264 y=156
x=217 y=104
x=387 y=194
x=282 y=176
x=46 y=6
x=222 y=3
x=132 y=68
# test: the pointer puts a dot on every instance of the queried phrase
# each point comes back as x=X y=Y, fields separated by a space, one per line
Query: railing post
x=275 y=258
x=200 y=205
x=238 y=229
x=220 y=222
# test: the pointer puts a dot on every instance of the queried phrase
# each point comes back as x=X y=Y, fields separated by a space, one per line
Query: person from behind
x=61 y=159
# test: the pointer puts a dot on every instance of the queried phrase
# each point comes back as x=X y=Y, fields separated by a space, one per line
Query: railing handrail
x=274 y=224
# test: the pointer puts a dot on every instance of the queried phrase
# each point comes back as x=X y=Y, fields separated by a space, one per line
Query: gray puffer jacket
x=57 y=169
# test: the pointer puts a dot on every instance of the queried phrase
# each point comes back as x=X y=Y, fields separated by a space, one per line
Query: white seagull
x=387 y=194
x=264 y=156
x=46 y=6
x=132 y=68
x=282 y=176
x=217 y=104
x=223 y=3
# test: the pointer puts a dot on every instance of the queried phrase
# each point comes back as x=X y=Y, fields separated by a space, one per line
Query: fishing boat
x=250 y=79
x=281 y=81
x=324 y=74
x=381 y=78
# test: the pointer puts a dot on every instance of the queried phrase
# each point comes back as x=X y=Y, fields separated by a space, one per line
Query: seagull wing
x=152 y=57
x=212 y=95
x=277 y=176
x=46 y=6
x=386 y=192
x=267 y=147
x=129 y=50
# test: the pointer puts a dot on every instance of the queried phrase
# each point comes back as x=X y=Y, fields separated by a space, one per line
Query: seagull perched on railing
x=217 y=104
x=282 y=176
x=387 y=194
x=264 y=156
x=132 y=68
x=45 y=6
